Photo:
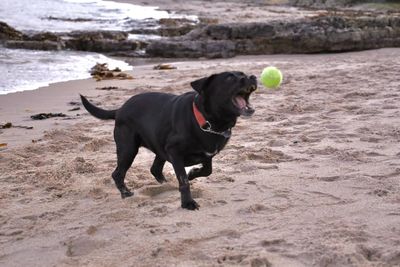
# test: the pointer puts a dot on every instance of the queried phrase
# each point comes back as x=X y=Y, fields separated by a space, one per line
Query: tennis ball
x=271 y=77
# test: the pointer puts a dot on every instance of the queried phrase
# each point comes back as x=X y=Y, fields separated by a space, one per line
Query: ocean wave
x=77 y=15
x=28 y=70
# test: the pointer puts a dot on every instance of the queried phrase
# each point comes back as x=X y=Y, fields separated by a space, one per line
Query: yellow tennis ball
x=271 y=77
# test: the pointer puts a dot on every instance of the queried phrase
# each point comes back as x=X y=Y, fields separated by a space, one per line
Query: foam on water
x=27 y=70
x=72 y=15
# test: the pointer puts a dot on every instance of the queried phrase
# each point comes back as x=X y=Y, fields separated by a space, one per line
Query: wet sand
x=312 y=179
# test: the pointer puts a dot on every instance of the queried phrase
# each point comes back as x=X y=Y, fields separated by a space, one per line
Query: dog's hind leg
x=127 y=148
x=156 y=169
x=204 y=171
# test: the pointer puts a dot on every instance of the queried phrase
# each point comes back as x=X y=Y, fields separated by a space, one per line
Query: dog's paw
x=126 y=193
x=198 y=172
x=193 y=173
x=161 y=179
x=190 y=205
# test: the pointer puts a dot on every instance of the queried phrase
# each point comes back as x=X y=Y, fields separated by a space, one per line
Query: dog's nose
x=253 y=78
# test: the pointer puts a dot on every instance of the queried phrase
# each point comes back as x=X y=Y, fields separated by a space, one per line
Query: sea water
x=73 y=15
x=27 y=70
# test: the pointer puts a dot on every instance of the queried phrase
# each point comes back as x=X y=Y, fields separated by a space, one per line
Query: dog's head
x=227 y=93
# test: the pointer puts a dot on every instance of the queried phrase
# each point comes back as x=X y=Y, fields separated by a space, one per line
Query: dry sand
x=312 y=179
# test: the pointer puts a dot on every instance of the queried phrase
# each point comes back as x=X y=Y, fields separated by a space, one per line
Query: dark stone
x=323 y=3
x=338 y=4
x=104 y=45
x=45 y=36
x=14 y=39
x=113 y=35
x=239 y=31
x=33 y=45
x=43 y=116
x=192 y=49
x=168 y=27
x=175 y=27
x=174 y=31
x=311 y=35
x=100 y=41
x=9 y=33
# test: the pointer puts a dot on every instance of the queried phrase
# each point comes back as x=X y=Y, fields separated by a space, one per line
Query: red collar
x=205 y=125
x=199 y=117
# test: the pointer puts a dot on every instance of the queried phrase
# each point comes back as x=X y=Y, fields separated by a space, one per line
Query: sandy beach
x=312 y=179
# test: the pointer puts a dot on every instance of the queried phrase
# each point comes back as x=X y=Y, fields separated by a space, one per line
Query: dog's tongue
x=241 y=102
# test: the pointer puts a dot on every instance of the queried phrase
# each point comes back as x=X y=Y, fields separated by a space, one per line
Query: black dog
x=185 y=130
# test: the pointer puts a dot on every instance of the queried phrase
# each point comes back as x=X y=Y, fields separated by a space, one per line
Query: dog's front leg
x=203 y=171
x=187 y=202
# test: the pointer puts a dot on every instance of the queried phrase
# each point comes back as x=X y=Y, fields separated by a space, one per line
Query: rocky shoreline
x=330 y=33
x=94 y=41
x=325 y=31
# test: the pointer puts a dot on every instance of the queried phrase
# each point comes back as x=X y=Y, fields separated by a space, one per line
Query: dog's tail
x=98 y=112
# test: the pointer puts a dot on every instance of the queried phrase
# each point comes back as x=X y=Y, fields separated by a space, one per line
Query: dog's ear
x=201 y=84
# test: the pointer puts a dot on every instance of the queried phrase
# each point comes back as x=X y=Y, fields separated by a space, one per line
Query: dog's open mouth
x=241 y=101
